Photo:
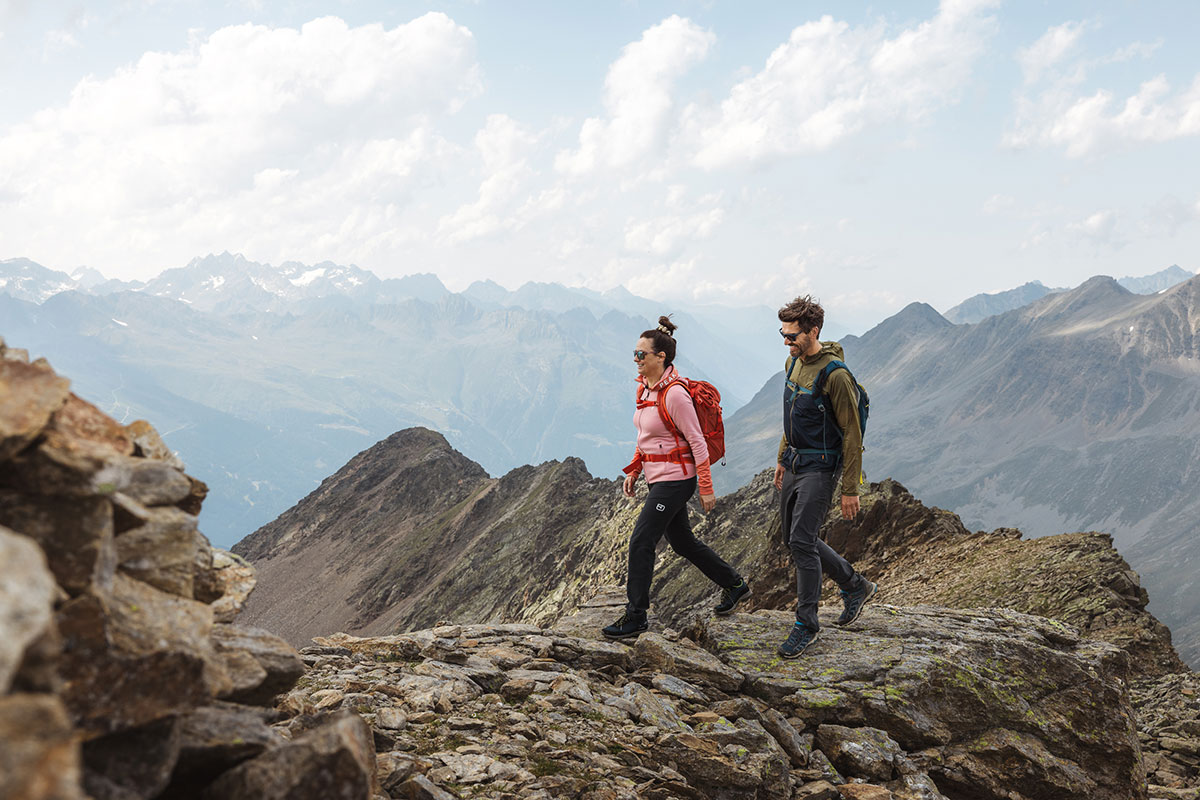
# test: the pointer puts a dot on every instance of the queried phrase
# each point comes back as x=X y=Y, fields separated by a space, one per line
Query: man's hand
x=627 y=487
x=707 y=501
x=779 y=477
x=849 y=506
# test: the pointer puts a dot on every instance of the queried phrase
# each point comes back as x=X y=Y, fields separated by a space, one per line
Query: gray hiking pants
x=803 y=506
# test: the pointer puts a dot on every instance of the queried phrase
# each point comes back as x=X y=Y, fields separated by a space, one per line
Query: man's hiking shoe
x=629 y=624
x=731 y=596
x=798 y=641
x=853 y=602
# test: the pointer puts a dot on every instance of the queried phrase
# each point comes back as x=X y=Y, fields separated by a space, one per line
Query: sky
x=871 y=154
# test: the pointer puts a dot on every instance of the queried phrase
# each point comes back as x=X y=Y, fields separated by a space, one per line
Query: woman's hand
x=707 y=501
x=627 y=487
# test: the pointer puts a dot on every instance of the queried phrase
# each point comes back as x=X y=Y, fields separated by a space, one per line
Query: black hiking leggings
x=665 y=511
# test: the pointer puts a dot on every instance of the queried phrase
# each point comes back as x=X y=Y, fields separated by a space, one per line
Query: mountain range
x=265 y=378
x=981 y=306
x=1080 y=411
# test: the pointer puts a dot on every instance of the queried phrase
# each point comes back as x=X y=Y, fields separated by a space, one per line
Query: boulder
x=148 y=444
x=163 y=551
x=226 y=582
x=215 y=739
x=132 y=763
x=152 y=483
x=75 y=533
x=1012 y=702
x=39 y=752
x=689 y=663
x=136 y=654
x=336 y=759
x=26 y=600
x=29 y=395
x=868 y=752
x=279 y=661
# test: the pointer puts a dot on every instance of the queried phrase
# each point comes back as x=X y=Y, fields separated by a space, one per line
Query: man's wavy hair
x=804 y=310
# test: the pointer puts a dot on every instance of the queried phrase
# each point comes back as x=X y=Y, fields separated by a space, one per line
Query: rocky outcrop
x=410 y=533
x=121 y=675
x=908 y=703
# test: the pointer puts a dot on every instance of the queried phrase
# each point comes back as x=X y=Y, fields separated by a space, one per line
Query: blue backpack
x=864 y=402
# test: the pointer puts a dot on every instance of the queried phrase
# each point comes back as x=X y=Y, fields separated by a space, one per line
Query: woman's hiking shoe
x=853 y=602
x=798 y=641
x=731 y=596
x=630 y=624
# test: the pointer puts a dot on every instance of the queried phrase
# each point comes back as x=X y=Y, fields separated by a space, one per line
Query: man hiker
x=821 y=433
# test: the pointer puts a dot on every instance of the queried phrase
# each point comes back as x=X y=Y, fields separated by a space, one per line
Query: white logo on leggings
x=661 y=507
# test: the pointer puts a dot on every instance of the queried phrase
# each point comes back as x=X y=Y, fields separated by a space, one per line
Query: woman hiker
x=673 y=466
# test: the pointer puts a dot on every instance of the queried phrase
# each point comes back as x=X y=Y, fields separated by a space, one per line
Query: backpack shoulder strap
x=823 y=376
x=662 y=404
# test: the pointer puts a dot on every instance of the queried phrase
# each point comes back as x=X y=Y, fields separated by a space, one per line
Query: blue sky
x=871 y=154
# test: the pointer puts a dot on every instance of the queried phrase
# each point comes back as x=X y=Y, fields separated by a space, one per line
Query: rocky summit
x=991 y=667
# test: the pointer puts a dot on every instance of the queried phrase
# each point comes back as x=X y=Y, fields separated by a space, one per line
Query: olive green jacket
x=843 y=396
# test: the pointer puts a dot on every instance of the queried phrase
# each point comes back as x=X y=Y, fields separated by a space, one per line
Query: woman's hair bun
x=666 y=326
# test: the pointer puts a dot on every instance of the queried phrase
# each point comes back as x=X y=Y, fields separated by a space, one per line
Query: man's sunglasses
x=789 y=337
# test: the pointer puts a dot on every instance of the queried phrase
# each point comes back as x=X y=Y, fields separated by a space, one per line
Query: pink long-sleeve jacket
x=655 y=438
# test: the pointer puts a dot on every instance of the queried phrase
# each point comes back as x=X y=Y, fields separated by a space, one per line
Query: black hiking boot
x=853 y=602
x=731 y=596
x=630 y=624
x=798 y=641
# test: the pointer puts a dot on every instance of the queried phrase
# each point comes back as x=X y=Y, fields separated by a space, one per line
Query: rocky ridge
x=410 y=533
x=918 y=702
x=121 y=673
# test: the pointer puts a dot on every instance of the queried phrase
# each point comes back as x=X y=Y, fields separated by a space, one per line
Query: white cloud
x=637 y=97
x=1169 y=215
x=998 y=204
x=666 y=235
x=503 y=147
x=831 y=80
x=252 y=134
x=1056 y=111
x=1098 y=228
x=58 y=41
x=1049 y=50
x=1088 y=125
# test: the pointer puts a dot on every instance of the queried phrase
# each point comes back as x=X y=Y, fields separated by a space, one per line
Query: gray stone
x=689 y=663
x=150 y=482
x=418 y=787
x=75 y=533
x=132 y=763
x=653 y=709
x=217 y=738
x=163 y=551
x=135 y=655
x=336 y=759
x=820 y=762
x=678 y=687
x=866 y=752
x=394 y=768
x=279 y=660
x=226 y=584
x=797 y=747
x=26 y=601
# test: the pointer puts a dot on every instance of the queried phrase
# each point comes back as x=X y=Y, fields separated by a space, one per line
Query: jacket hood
x=831 y=349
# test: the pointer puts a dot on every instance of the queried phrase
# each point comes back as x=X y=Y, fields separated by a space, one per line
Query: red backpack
x=707 y=401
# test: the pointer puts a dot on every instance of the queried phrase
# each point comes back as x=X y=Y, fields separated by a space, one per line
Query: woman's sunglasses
x=640 y=354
